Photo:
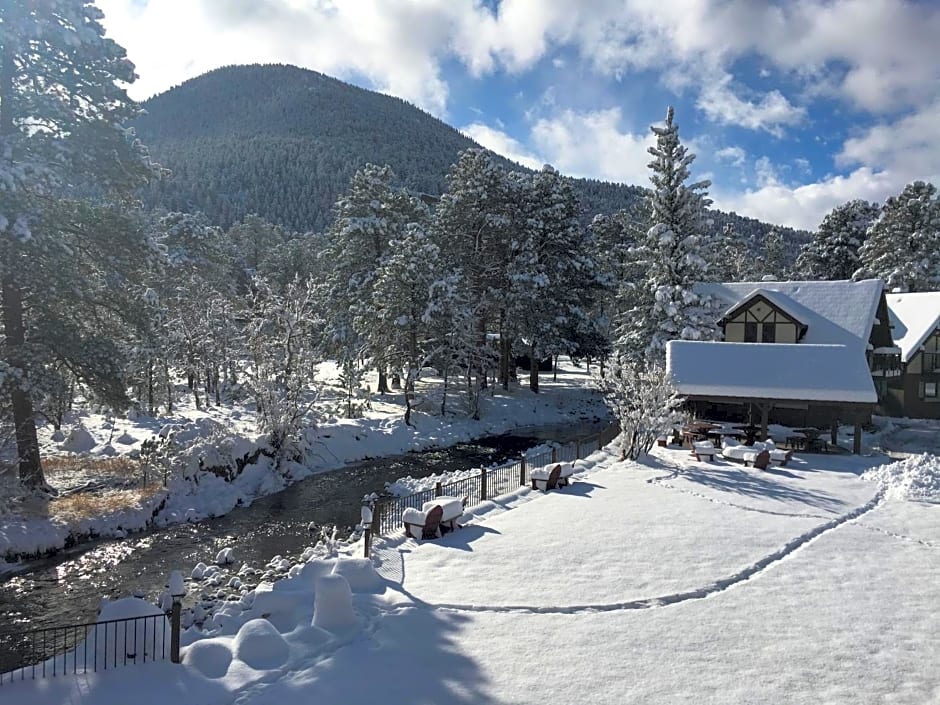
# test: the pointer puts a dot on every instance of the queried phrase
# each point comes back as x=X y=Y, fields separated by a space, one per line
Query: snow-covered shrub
x=644 y=400
x=259 y=645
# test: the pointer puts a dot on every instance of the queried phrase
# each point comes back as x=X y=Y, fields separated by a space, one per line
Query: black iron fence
x=84 y=648
x=486 y=483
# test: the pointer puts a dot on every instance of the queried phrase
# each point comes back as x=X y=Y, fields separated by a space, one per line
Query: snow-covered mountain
x=283 y=142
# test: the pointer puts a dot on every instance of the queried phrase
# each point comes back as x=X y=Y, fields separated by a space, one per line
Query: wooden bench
x=549 y=478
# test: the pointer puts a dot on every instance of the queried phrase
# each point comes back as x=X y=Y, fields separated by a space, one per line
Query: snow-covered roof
x=826 y=373
x=775 y=297
x=835 y=312
x=913 y=317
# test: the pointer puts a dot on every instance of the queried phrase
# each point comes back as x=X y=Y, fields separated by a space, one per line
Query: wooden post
x=834 y=432
x=437 y=490
x=376 y=519
x=367 y=541
x=522 y=471
x=482 y=484
x=554 y=454
x=577 y=449
x=857 y=441
x=175 y=630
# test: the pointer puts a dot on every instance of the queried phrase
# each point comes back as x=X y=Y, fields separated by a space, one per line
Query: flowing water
x=67 y=588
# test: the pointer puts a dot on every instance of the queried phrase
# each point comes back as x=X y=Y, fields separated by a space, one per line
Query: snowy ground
x=219 y=434
x=670 y=581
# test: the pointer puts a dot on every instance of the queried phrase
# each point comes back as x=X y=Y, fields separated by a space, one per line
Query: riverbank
x=220 y=436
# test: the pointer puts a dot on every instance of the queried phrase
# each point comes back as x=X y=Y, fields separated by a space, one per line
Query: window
x=750 y=332
x=930 y=390
x=768 y=333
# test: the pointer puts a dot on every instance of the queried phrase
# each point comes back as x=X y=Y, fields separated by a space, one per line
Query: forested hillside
x=284 y=142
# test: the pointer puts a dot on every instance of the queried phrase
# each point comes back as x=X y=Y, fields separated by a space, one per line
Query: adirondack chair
x=549 y=477
x=428 y=523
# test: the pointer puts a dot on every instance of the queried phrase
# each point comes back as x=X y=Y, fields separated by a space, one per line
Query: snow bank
x=211 y=657
x=915 y=479
x=259 y=645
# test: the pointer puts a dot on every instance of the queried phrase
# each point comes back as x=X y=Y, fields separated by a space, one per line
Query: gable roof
x=835 y=312
x=774 y=297
x=824 y=373
x=913 y=318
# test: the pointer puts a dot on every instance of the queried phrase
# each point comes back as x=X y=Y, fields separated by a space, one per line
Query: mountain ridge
x=283 y=142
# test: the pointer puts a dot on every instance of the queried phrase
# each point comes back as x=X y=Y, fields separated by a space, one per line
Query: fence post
x=483 y=484
x=522 y=471
x=554 y=454
x=366 y=523
x=175 y=631
x=577 y=449
x=437 y=490
x=376 y=520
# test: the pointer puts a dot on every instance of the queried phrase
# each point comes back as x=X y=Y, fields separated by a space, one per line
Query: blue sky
x=792 y=107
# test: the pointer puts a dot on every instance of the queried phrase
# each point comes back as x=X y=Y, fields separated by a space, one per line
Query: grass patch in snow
x=86 y=506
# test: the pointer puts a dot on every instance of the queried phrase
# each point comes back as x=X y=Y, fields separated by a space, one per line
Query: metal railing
x=84 y=648
x=487 y=483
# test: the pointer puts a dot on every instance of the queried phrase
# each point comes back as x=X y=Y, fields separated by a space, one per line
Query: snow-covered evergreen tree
x=732 y=260
x=370 y=215
x=833 y=252
x=903 y=245
x=552 y=274
x=772 y=262
x=400 y=299
x=476 y=224
x=662 y=304
x=61 y=111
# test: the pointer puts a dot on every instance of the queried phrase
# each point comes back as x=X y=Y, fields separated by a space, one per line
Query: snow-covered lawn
x=664 y=582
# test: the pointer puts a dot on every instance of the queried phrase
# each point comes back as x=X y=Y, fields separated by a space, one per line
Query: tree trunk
x=555 y=369
x=533 y=369
x=383 y=382
x=27 y=445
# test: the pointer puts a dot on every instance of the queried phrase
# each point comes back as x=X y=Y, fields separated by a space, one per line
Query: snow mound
x=125 y=439
x=332 y=605
x=359 y=573
x=259 y=645
x=79 y=440
x=280 y=603
x=211 y=657
x=914 y=479
x=225 y=557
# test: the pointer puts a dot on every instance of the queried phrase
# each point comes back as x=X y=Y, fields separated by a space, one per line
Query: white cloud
x=591 y=144
x=501 y=143
x=804 y=206
x=733 y=155
x=721 y=105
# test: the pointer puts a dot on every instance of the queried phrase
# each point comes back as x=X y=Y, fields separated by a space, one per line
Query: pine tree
x=773 y=261
x=552 y=274
x=833 y=253
x=368 y=217
x=903 y=245
x=733 y=260
x=61 y=112
x=476 y=224
x=662 y=304
x=400 y=299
